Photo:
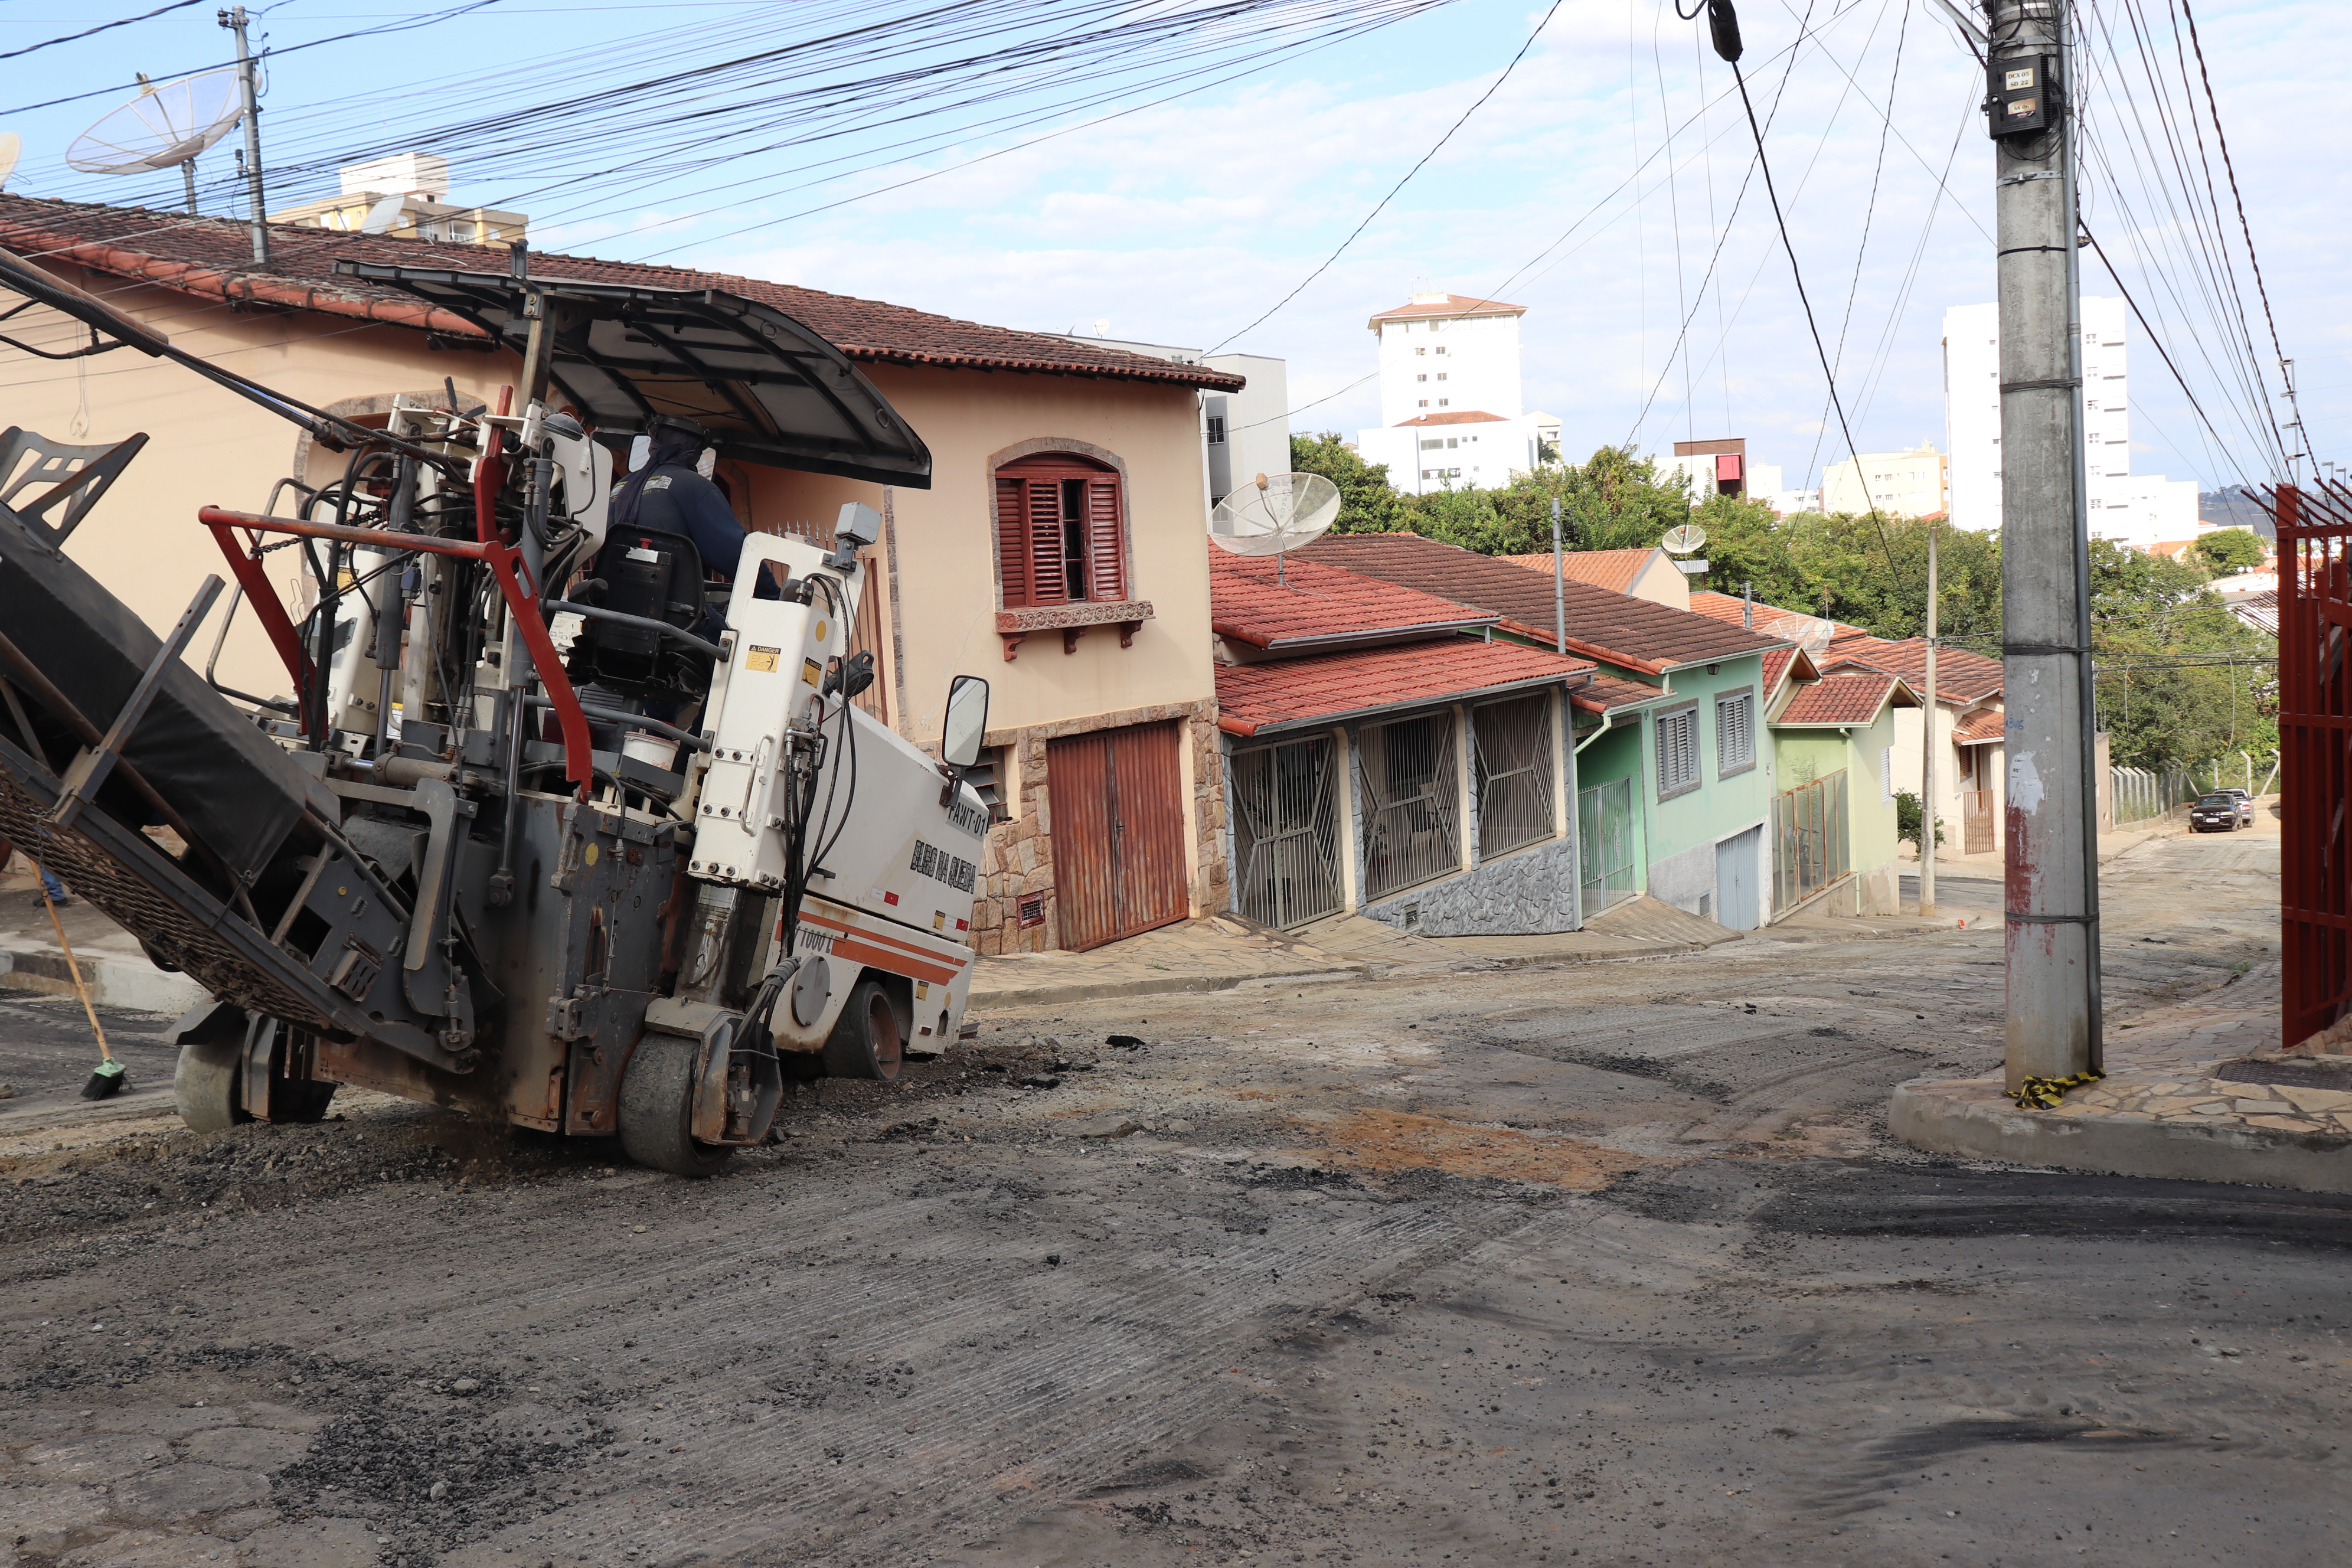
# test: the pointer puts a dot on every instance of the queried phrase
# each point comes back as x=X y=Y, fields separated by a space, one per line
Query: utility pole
x=2051 y=935
x=234 y=20
x=1927 y=752
x=1559 y=584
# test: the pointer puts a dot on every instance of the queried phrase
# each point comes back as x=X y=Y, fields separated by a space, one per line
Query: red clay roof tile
x=1981 y=728
x=1623 y=630
x=1961 y=678
x=1315 y=604
x=1327 y=687
x=1841 y=697
x=212 y=257
x=1613 y=694
x=1451 y=305
x=1611 y=569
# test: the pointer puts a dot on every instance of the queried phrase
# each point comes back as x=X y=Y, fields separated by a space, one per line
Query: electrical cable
x=1797 y=273
x=101 y=27
x=1400 y=186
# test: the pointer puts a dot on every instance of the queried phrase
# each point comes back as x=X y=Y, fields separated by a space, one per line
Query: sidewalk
x=112 y=965
x=2197 y=1091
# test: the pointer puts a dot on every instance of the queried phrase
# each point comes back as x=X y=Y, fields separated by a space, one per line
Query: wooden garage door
x=1118 y=831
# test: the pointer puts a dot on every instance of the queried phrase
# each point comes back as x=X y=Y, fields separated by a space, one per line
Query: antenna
x=163 y=126
x=1273 y=515
x=1684 y=538
x=384 y=214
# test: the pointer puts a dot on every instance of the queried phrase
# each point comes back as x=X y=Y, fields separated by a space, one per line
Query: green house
x=1833 y=753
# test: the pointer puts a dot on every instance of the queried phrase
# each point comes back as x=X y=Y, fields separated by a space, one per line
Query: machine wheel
x=205 y=1082
x=866 y=1042
x=657 y=1105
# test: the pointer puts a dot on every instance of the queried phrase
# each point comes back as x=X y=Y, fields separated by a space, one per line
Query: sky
x=1607 y=186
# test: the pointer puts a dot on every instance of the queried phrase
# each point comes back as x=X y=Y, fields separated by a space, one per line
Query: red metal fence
x=2315 y=721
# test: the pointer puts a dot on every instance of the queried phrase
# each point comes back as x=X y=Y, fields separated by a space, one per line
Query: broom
x=106 y=1080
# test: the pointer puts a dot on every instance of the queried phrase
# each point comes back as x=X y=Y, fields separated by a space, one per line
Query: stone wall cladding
x=1530 y=892
x=1017 y=860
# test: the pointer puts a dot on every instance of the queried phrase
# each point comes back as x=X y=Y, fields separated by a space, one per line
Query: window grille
x=1514 y=760
x=1886 y=772
x=1808 y=830
x=1677 y=751
x=1216 y=429
x=1412 y=787
x=1286 y=833
x=1735 y=732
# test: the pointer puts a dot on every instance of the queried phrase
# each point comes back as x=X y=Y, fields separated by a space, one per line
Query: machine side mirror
x=966 y=724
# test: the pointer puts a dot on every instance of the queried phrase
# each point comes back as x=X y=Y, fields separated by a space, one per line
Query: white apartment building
x=1899 y=484
x=2139 y=509
x=1450 y=413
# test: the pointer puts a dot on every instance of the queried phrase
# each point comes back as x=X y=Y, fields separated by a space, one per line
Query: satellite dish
x=382 y=217
x=1275 y=514
x=163 y=126
x=12 y=147
x=1682 y=538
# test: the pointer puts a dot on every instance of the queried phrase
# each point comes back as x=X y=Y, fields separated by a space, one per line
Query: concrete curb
x=114 y=981
x=1173 y=986
x=1971 y=1117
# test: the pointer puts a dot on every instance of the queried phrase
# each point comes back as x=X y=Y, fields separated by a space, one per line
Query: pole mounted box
x=2022 y=96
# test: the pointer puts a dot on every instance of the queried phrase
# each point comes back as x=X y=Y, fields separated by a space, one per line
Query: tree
x=2181 y=680
x=2228 y=550
x=1908 y=815
x=1367 y=503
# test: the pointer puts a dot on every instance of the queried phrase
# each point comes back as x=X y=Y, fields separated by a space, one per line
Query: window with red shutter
x=1061 y=531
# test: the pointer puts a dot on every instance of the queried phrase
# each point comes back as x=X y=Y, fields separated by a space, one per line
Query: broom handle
x=71 y=967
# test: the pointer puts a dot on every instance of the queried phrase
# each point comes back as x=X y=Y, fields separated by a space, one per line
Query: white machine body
x=898 y=853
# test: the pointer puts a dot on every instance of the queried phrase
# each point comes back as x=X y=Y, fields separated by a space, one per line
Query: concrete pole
x=1559 y=584
x=1927 y=752
x=2048 y=849
x=234 y=20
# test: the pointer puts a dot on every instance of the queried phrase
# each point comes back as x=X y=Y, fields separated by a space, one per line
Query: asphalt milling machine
x=629 y=887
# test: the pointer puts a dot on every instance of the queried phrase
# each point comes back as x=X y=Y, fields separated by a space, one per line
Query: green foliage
x=1907 y=813
x=1367 y=504
x=2228 y=550
x=2151 y=616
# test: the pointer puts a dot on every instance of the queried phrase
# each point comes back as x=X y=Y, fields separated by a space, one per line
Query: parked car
x=2224 y=811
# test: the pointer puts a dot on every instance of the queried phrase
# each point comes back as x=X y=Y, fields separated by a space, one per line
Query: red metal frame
x=2315 y=721
x=506 y=566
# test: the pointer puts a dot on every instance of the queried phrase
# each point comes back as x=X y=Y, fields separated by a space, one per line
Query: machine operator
x=670 y=493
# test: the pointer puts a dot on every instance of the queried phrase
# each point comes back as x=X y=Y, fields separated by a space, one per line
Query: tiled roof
x=2259 y=611
x=1844 y=696
x=1612 y=694
x=1319 y=605
x=1622 y=630
x=1961 y=678
x=213 y=258
x=1776 y=665
x=1611 y=569
x=1327 y=687
x=1793 y=624
x=1465 y=416
x=1453 y=305
x=1980 y=729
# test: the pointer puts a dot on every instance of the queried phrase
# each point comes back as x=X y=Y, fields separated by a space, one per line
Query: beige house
x=1645 y=572
x=1057 y=551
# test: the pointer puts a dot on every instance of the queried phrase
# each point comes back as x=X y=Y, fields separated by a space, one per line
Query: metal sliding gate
x=2314 y=721
x=1286 y=833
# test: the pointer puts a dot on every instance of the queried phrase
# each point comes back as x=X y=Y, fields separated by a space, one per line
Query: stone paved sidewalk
x=2198 y=1090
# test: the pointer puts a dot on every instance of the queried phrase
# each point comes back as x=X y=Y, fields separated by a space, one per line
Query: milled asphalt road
x=1607 y=1264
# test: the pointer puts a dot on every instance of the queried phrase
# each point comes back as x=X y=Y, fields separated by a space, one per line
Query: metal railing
x=1808 y=838
x=2142 y=795
x=1286 y=833
x=1413 y=791
x=1515 y=758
